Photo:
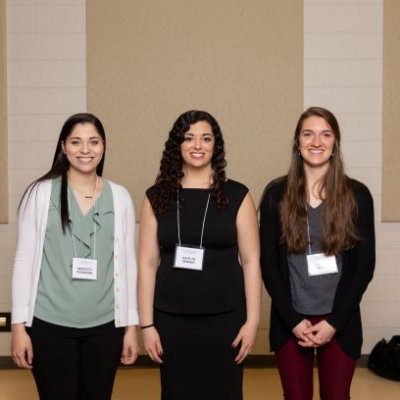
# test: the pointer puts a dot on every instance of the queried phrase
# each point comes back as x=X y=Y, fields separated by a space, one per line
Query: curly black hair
x=167 y=183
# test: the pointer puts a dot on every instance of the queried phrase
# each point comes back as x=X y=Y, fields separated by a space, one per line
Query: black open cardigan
x=357 y=272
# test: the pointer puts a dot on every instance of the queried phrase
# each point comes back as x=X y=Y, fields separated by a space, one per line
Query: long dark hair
x=60 y=164
x=340 y=208
x=167 y=183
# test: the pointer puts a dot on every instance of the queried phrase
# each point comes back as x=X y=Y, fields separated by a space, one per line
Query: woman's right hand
x=152 y=344
x=299 y=330
x=21 y=347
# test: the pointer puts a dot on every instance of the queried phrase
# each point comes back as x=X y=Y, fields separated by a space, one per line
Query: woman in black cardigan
x=317 y=257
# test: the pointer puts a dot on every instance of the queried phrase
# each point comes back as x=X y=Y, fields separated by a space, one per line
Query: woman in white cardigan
x=74 y=279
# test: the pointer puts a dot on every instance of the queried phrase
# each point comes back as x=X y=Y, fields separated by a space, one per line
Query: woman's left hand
x=130 y=349
x=246 y=337
x=320 y=333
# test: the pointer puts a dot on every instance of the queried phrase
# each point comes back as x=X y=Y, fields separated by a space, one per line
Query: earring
x=333 y=154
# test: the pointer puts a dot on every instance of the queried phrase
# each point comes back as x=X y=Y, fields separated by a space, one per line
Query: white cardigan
x=32 y=223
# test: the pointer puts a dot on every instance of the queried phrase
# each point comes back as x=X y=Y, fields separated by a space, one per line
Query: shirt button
x=116 y=274
x=115 y=257
x=117 y=289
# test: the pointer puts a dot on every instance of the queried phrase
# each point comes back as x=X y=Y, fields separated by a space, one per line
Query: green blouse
x=65 y=301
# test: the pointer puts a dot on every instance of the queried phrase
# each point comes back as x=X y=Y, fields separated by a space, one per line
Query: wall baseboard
x=253 y=361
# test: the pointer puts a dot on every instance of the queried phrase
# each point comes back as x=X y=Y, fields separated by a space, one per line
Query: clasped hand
x=310 y=335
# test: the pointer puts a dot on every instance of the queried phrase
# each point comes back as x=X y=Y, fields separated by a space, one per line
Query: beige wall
x=391 y=115
x=150 y=61
x=3 y=117
x=342 y=71
x=46 y=82
x=343 y=61
x=165 y=58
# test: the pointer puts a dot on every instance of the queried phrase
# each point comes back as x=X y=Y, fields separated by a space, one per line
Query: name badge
x=84 y=268
x=189 y=257
x=320 y=264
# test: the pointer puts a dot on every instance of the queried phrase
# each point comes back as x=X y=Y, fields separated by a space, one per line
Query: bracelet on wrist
x=146 y=326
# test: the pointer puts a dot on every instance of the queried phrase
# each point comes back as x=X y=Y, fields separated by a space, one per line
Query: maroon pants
x=295 y=365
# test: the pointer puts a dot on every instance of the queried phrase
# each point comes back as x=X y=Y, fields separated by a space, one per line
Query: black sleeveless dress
x=199 y=313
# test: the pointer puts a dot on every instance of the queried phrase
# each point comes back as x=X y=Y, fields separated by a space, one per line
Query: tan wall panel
x=3 y=117
x=391 y=113
x=147 y=62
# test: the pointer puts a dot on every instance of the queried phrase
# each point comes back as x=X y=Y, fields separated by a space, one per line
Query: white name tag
x=84 y=268
x=189 y=257
x=320 y=264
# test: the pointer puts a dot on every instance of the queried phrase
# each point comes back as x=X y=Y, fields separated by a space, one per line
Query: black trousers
x=75 y=364
x=198 y=360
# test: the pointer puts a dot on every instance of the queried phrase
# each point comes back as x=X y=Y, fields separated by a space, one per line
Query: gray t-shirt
x=312 y=295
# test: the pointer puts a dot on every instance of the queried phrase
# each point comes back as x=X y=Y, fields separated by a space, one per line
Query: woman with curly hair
x=199 y=272
x=317 y=258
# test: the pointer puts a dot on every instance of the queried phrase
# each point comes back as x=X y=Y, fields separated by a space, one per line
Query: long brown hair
x=60 y=164
x=340 y=208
